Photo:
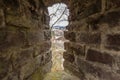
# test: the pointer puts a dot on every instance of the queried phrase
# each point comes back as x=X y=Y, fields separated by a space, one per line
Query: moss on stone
x=1 y=67
x=38 y=75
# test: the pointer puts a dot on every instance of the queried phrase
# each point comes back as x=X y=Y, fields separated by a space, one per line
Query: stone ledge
x=96 y=56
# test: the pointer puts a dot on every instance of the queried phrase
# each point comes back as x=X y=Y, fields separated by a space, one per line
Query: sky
x=56 y=11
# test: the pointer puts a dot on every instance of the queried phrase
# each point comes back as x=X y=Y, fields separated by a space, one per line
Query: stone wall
x=24 y=40
x=93 y=50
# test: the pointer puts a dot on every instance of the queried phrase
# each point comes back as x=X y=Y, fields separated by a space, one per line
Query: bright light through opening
x=58 y=21
x=58 y=15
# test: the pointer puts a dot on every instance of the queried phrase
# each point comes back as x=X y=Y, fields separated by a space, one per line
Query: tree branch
x=58 y=18
x=55 y=11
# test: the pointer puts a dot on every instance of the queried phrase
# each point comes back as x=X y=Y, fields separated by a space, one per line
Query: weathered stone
x=75 y=48
x=21 y=58
x=96 y=56
x=88 y=38
x=113 y=41
x=117 y=61
x=41 y=50
x=13 y=37
x=4 y=64
x=12 y=76
x=70 y=36
x=27 y=70
x=84 y=9
x=111 y=3
x=69 y=57
x=39 y=60
x=47 y=35
x=78 y=26
x=41 y=71
x=66 y=45
x=24 y=31
x=2 y=18
x=22 y=35
x=3 y=35
x=74 y=70
x=78 y=49
x=45 y=47
x=48 y=57
x=42 y=59
x=112 y=19
x=101 y=72
x=35 y=37
x=25 y=14
x=12 y=4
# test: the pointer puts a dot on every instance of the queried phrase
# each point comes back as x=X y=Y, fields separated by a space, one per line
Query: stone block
x=48 y=57
x=74 y=70
x=41 y=50
x=39 y=60
x=70 y=36
x=117 y=61
x=4 y=67
x=78 y=26
x=22 y=57
x=45 y=47
x=12 y=76
x=12 y=4
x=113 y=41
x=27 y=70
x=78 y=49
x=66 y=45
x=100 y=72
x=35 y=37
x=3 y=35
x=94 y=7
x=21 y=21
x=47 y=35
x=43 y=59
x=75 y=48
x=12 y=38
x=2 y=18
x=96 y=56
x=112 y=3
x=27 y=16
x=86 y=9
x=112 y=19
x=88 y=38
x=69 y=57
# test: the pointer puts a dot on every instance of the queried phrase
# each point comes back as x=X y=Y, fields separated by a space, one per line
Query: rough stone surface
x=24 y=40
x=104 y=58
x=70 y=35
x=89 y=38
x=69 y=57
x=113 y=41
x=93 y=33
